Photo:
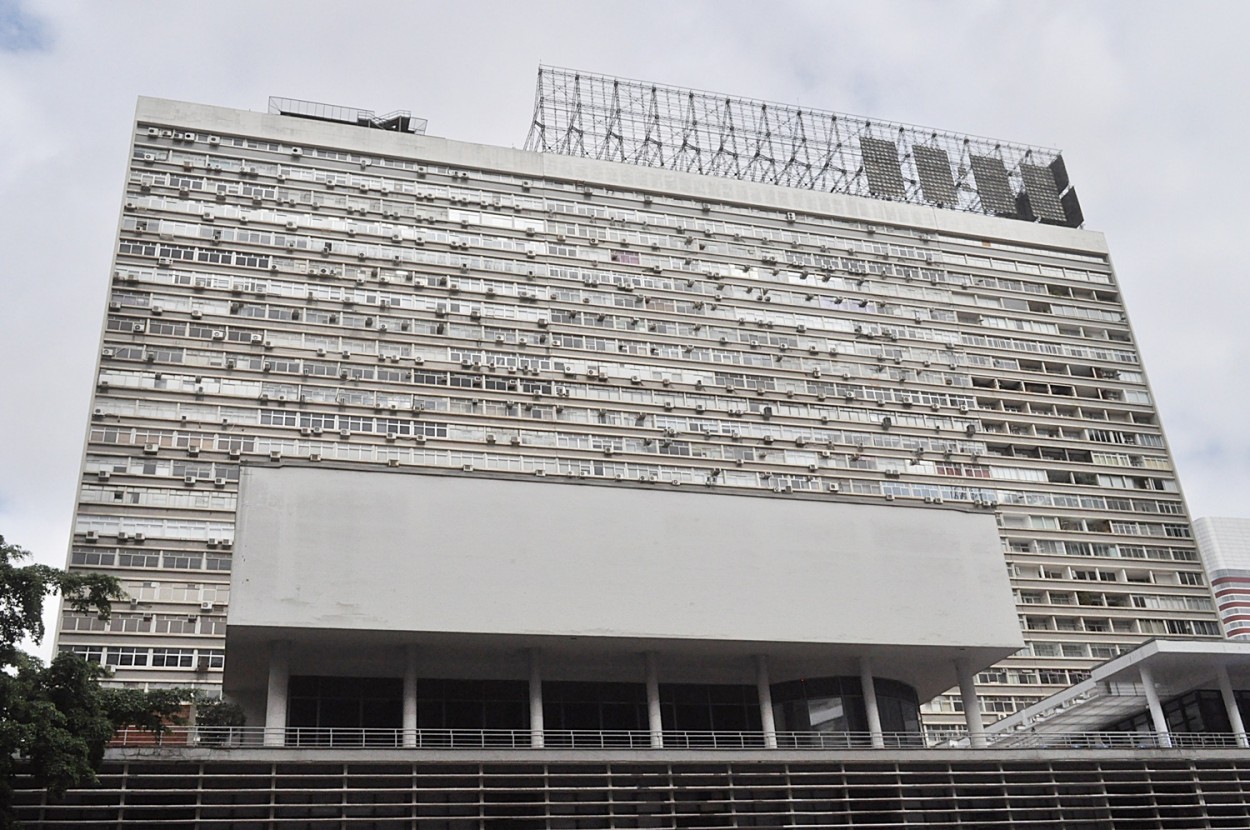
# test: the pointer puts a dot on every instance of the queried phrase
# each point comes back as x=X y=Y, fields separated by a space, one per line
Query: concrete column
x=275 y=704
x=1156 y=709
x=972 y=705
x=655 y=721
x=764 y=686
x=410 y=696
x=870 y=702
x=536 y=700
x=1230 y=704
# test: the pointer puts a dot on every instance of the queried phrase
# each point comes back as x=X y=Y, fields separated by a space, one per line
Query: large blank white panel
x=340 y=549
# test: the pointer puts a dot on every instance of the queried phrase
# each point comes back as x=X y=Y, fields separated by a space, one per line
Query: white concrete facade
x=477 y=576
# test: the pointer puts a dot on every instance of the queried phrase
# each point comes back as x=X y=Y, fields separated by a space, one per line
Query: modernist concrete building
x=875 y=349
x=653 y=476
x=1225 y=547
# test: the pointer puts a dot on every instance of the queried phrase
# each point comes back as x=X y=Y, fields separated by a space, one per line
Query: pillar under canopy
x=276 y=696
x=410 y=696
x=1230 y=704
x=1156 y=709
x=655 y=720
x=870 y=703
x=536 y=700
x=972 y=704
x=765 y=690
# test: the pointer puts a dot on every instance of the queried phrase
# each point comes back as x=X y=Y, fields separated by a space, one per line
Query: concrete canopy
x=351 y=567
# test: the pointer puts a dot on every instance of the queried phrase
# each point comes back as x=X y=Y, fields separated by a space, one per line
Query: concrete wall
x=339 y=549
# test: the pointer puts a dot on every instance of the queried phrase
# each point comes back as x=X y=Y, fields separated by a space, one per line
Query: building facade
x=1225 y=547
x=325 y=287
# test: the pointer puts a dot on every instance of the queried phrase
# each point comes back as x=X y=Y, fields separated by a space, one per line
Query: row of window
x=169 y=560
x=218 y=162
x=150 y=657
x=142 y=623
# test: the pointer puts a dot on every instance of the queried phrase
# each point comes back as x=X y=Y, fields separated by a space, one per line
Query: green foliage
x=23 y=589
x=218 y=712
x=56 y=720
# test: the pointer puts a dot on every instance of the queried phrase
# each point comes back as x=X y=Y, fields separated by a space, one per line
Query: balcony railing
x=454 y=739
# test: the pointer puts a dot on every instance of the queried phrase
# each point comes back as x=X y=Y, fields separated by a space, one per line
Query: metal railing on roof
x=469 y=739
x=397 y=121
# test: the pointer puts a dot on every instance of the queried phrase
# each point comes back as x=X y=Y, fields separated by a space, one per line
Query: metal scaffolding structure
x=613 y=119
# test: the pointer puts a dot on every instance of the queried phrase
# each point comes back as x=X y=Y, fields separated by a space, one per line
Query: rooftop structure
x=636 y=122
x=396 y=121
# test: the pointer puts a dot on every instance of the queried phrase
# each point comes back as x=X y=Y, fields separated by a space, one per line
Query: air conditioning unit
x=219 y=482
x=206 y=606
x=91 y=536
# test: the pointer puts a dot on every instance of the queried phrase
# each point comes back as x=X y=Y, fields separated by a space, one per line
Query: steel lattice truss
x=600 y=117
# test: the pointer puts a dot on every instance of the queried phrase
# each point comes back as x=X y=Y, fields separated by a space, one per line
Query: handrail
x=233 y=737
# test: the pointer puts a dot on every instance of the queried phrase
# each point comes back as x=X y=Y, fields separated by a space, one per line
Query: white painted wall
x=339 y=549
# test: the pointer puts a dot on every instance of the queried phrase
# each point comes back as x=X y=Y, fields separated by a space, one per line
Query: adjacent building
x=1225 y=547
x=673 y=316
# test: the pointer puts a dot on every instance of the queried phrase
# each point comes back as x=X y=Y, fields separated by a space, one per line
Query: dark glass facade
x=836 y=704
x=828 y=704
x=1201 y=710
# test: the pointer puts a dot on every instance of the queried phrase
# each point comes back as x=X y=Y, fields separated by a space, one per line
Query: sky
x=1148 y=101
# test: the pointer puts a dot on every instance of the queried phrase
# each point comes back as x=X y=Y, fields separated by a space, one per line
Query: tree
x=56 y=720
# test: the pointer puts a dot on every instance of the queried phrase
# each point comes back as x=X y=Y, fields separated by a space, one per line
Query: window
x=71 y=621
x=127 y=656
x=92 y=654
x=183 y=560
x=173 y=658
x=174 y=624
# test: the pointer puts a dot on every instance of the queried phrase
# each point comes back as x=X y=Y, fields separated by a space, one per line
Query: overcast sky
x=1148 y=101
